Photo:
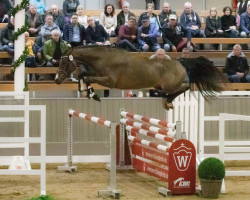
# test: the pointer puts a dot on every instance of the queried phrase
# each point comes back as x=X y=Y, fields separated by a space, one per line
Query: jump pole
x=111 y=191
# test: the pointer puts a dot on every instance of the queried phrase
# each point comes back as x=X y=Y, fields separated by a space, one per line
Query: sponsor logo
x=181 y=183
x=182 y=157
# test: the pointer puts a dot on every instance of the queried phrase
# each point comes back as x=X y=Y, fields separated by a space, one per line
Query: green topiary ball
x=211 y=169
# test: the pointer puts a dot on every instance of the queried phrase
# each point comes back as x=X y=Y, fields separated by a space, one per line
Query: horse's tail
x=204 y=75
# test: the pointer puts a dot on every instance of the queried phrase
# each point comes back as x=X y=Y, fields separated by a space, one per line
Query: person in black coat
x=228 y=23
x=58 y=18
x=69 y=8
x=164 y=15
x=74 y=33
x=6 y=37
x=5 y=8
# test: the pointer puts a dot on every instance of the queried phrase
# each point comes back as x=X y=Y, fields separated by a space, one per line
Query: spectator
x=82 y=19
x=245 y=23
x=108 y=19
x=185 y=53
x=34 y=19
x=242 y=6
x=173 y=33
x=155 y=2
x=154 y=20
x=164 y=15
x=58 y=17
x=123 y=16
x=40 y=6
x=190 y=20
x=213 y=26
x=160 y=54
x=38 y=50
x=74 y=33
x=30 y=60
x=147 y=35
x=48 y=27
x=54 y=49
x=5 y=8
x=6 y=37
x=96 y=34
x=236 y=66
x=228 y=23
x=127 y=35
x=69 y=7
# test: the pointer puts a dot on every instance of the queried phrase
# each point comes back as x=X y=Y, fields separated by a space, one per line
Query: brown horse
x=116 y=68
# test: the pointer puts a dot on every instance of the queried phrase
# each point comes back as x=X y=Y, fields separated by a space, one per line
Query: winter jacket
x=152 y=35
x=121 y=18
x=7 y=33
x=46 y=31
x=68 y=32
x=164 y=17
x=6 y=7
x=59 y=20
x=69 y=8
x=189 y=20
x=97 y=35
x=50 y=46
x=154 y=15
x=227 y=21
x=236 y=64
x=212 y=24
x=38 y=21
x=245 y=22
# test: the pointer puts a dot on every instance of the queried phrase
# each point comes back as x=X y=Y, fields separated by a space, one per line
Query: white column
x=19 y=47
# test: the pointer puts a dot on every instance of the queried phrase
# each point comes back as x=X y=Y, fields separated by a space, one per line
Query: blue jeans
x=125 y=44
x=153 y=48
x=236 y=79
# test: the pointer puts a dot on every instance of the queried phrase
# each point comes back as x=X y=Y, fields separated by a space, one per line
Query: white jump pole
x=19 y=47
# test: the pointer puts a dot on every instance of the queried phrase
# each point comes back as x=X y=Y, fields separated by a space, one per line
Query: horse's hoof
x=95 y=97
x=167 y=105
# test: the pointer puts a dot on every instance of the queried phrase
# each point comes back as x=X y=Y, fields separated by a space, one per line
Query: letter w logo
x=182 y=159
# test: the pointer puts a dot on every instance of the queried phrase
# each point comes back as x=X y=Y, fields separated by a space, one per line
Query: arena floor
x=89 y=178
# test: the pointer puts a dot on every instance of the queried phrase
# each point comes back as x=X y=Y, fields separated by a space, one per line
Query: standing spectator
x=236 y=66
x=40 y=6
x=213 y=26
x=154 y=20
x=74 y=33
x=160 y=54
x=58 y=17
x=54 y=49
x=69 y=7
x=5 y=8
x=155 y=2
x=245 y=23
x=242 y=6
x=82 y=19
x=108 y=19
x=147 y=35
x=127 y=37
x=164 y=15
x=173 y=33
x=123 y=16
x=190 y=20
x=34 y=19
x=6 y=37
x=96 y=34
x=228 y=23
x=47 y=28
x=30 y=60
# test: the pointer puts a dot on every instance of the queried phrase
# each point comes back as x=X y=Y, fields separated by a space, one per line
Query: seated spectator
x=69 y=7
x=213 y=26
x=40 y=6
x=123 y=16
x=54 y=49
x=127 y=37
x=245 y=23
x=160 y=54
x=96 y=34
x=237 y=66
x=173 y=33
x=34 y=19
x=38 y=50
x=48 y=27
x=6 y=37
x=155 y=2
x=82 y=19
x=185 y=53
x=74 y=33
x=164 y=15
x=108 y=19
x=30 y=60
x=5 y=8
x=228 y=23
x=147 y=36
x=190 y=20
x=152 y=16
x=58 y=18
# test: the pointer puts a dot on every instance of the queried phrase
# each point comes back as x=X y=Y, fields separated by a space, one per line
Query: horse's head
x=67 y=65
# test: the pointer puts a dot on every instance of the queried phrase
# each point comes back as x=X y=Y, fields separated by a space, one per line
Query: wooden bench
x=2 y=25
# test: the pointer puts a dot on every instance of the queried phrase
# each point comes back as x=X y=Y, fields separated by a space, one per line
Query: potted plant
x=211 y=172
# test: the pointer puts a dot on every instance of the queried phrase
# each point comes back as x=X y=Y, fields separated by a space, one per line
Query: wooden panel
x=5 y=55
x=2 y=25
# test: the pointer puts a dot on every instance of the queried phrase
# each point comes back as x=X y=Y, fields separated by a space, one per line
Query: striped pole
x=148 y=120
x=146 y=127
x=148 y=143
x=90 y=118
x=150 y=134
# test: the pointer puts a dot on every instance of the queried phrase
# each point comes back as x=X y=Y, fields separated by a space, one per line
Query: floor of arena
x=90 y=178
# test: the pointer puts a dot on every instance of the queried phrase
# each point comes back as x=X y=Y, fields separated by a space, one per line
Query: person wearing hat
x=147 y=36
x=173 y=33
